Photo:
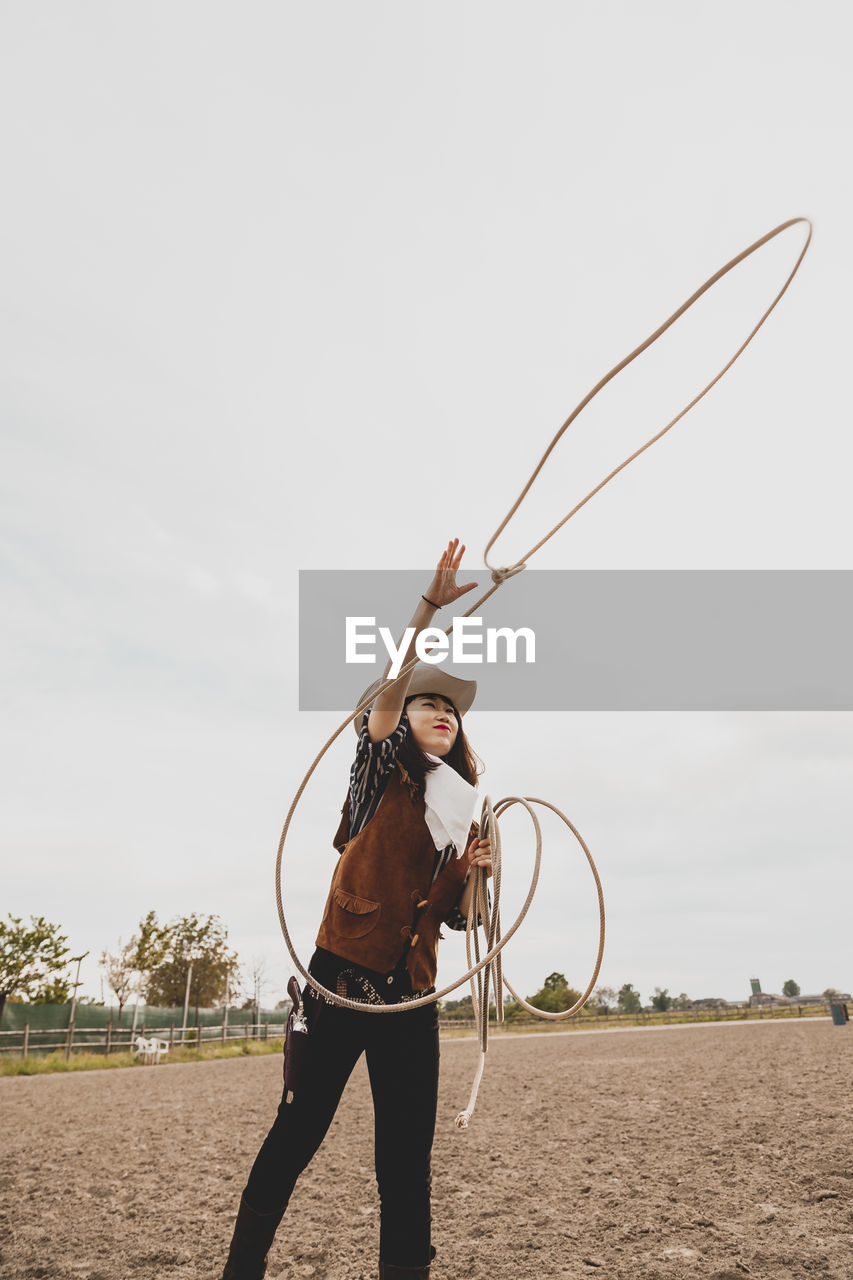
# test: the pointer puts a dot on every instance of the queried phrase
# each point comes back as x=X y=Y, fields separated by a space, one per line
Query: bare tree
x=258 y=983
x=605 y=998
x=121 y=972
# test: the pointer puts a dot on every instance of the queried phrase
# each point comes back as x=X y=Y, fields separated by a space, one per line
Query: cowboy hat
x=426 y=678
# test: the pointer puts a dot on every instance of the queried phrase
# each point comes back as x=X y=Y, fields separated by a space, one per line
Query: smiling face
x=433 y=723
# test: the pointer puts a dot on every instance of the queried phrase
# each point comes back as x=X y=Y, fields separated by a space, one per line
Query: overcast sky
x=291 y=287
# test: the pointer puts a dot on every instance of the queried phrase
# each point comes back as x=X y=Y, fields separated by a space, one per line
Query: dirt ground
x=709 y=1151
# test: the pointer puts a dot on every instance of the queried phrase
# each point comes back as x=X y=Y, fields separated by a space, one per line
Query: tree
x=56 y=990
x=460 y=1008
x=151 y=944
x=628 y=999
x=31 y=960
x=661 y=1000
x=198 y=940
x=463 y=1008
x=682 y=1001
x=121 y=972
x=513 y=1011
x=791 y=989
x=555 y=995
x=260 y=982
x=605 y=998
x=129 y=970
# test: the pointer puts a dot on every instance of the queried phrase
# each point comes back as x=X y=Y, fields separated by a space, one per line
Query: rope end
x=461 y=1121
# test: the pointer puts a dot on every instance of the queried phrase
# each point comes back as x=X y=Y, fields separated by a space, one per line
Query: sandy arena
x=717 y=1151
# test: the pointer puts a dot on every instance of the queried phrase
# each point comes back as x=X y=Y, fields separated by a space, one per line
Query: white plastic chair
x=159 y=1049
x=144 y=1049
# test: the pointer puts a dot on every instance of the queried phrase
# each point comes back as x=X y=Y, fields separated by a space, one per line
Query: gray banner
x=601 y=640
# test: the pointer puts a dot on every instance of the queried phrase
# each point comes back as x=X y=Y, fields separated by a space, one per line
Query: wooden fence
x=646 y=1018
x=110 y=1039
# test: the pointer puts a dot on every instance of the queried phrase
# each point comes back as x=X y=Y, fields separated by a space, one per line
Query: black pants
x=402 y=1062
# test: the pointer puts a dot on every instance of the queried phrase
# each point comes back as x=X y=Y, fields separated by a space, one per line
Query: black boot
x=387 y=1270
x=250 y=1244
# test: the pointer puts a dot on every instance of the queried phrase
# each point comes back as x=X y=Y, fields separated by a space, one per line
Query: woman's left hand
x=480 y=854
x=443 y=589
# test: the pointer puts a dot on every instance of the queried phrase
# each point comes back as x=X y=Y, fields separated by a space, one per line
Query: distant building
x=711 y=1002
x=766 y=1000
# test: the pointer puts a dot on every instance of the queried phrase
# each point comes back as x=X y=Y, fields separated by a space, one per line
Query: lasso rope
x=493 y=970
x=487 y=970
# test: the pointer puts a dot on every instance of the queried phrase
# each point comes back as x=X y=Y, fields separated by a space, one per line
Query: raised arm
x=442 y=590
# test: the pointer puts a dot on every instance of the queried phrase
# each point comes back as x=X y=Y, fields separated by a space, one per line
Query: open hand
x=443 y=589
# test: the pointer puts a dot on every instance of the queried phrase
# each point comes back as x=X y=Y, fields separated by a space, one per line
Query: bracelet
x=435 y=606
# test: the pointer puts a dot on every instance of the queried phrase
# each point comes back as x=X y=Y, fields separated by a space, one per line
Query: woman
x=407 y=847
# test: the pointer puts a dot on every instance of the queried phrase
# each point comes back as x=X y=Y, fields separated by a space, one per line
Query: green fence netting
x=40 y=1018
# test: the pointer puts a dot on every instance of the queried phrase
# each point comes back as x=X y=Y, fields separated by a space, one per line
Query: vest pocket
x=352 y=916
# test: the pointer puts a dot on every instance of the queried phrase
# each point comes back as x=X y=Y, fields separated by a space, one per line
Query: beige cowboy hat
x=428 y=679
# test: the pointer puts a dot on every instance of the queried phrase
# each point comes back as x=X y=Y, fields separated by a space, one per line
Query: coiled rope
x=486 y=971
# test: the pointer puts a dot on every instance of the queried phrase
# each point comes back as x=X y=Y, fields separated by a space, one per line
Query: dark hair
x=460 y=756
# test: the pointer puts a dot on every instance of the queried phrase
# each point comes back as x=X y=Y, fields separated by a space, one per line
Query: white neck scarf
x=450 y=803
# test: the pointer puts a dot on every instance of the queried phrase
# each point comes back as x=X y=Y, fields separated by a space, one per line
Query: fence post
x=198 y=1032
x=224 y=1027
x=267 y=1029
x=26 y=1045
x=69 y=1036
x=246 y=1032
x=171 y=1035
x=109 y=1037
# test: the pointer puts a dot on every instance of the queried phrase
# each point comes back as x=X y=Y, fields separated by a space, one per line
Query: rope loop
x=486 y=971
x=617 y=368
x=486 y=915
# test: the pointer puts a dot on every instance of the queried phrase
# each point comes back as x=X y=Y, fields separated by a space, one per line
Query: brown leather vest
x=373 y=914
